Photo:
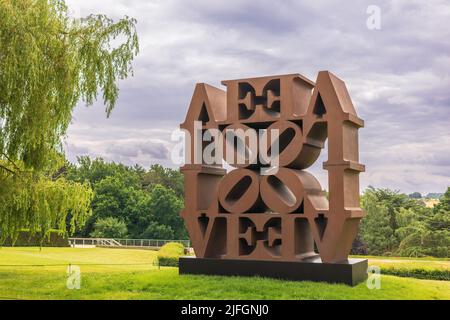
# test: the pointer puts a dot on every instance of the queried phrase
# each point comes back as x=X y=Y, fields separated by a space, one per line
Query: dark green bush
x=25 y=239
x=168 y=261
x=430 y=274
x=169 y=254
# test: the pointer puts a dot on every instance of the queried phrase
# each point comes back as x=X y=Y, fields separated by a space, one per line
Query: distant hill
x=434 y=195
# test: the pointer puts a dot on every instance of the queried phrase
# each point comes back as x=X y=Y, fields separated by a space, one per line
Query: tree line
x=130 y=202
x=403 y=226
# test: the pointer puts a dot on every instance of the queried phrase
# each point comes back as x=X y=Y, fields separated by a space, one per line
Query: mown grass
x=91 y=260
x=145 y=281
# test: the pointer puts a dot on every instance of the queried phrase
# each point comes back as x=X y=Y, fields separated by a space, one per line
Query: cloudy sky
x=398 y=76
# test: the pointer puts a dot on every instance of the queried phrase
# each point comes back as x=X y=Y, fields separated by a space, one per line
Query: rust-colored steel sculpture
x=285 y=216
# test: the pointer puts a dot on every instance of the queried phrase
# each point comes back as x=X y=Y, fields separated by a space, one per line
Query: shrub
x=169 y=254
x=109 y=228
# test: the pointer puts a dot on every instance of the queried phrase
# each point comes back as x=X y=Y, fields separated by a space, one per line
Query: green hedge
x=169 y=254
x=25 y=239
x=168 y=261
x=418 y=273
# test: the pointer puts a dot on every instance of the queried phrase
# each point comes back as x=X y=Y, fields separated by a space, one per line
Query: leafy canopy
x=39 y=203
x=397 y=224
x=109 y=228
x=118 y=193
x=146 y=200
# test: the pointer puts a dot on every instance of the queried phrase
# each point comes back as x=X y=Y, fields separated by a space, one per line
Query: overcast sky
x=398 y=76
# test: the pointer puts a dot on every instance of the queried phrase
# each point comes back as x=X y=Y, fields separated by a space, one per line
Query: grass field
x=130 y=274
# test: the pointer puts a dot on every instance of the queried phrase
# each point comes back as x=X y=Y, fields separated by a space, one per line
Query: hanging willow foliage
x=33 y=201
x=48 y=63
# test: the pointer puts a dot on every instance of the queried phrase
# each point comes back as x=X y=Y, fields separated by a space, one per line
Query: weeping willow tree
x=39 y=203
x=48 y=63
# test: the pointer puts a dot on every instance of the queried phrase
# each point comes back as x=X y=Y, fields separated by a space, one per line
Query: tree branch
x=13 y=163
x=7 y=169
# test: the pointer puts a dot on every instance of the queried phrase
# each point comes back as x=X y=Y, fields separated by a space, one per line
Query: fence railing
x=135 y=243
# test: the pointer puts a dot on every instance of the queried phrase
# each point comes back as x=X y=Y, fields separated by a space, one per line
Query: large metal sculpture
x=280 y=224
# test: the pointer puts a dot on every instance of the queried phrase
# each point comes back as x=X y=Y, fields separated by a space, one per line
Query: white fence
x=117 y=243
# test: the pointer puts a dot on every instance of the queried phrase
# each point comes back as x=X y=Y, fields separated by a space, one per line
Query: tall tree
x=115 y=198
x=118 y=193
x=169 y=178
x=396 y=224
x=48 y=63
x=165 y=209
x=376 y=228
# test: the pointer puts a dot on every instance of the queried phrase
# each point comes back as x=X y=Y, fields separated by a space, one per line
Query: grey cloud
x=123 y=150
x=132 y=149
x=258 y=15
x=77 y=149
x=155 y=150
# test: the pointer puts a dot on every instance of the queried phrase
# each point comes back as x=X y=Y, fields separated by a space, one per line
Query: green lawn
x=133 y=276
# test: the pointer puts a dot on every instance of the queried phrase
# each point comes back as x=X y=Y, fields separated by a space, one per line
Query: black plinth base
x=351 y=272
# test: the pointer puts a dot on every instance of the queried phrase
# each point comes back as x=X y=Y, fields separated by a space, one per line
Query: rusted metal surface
x=244 y=214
